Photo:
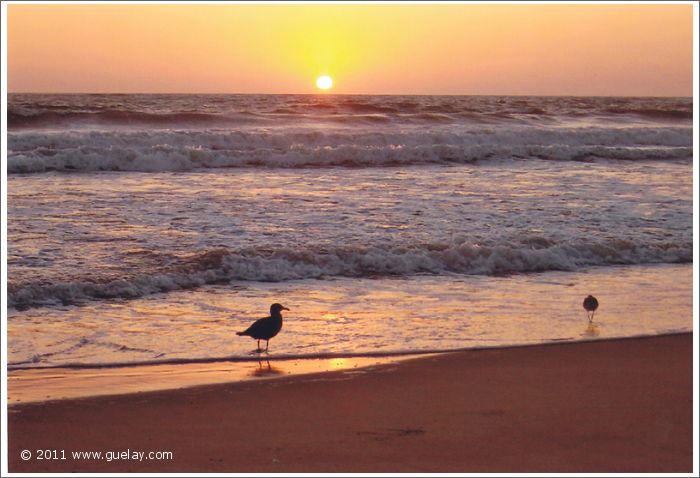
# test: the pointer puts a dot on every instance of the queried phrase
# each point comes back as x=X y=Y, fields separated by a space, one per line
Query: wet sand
x=607 y=406
x=56 y=383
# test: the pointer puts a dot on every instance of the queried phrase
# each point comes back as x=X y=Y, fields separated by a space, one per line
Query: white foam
x=154 y=151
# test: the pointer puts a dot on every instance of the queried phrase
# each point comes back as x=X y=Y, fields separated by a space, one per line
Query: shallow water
x=358 y=316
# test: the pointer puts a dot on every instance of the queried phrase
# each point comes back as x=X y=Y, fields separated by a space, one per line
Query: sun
x=324 y=82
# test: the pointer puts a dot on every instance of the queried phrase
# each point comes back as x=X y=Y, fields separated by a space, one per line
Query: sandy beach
x=607 y=406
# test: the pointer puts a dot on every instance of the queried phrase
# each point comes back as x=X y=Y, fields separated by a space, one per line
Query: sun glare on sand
x=324 y=82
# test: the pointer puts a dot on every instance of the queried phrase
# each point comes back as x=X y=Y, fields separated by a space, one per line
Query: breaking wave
x=533 y=254
x=155 y=151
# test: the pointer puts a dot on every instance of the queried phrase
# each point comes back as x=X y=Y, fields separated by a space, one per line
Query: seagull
x=265 y=329
x=590 y=303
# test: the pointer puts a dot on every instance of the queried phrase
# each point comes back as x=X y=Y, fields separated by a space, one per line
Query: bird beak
x=284 y=308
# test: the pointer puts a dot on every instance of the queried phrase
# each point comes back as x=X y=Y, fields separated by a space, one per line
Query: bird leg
x=267 y=345
x=258 y=349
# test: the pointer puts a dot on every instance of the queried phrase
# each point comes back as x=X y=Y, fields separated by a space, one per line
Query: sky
x=627 y=50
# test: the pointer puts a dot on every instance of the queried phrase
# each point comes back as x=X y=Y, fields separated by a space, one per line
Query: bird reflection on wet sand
x=266 y=370
x=591 y=330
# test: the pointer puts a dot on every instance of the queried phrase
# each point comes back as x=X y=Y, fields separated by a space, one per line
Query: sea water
x=150 y=228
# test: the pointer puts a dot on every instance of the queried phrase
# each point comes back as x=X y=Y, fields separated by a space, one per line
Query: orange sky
x=395 y=49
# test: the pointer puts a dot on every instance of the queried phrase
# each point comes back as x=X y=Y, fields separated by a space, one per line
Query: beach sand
x=607 y=406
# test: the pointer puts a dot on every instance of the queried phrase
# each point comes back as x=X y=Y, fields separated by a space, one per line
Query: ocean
x=150 y=228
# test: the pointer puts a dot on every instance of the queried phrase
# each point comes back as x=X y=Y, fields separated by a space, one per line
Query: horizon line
x=345 y=94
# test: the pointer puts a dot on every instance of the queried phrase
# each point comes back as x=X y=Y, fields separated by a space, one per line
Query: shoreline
x=139 y=377
x=91 y=382
x=606 y=405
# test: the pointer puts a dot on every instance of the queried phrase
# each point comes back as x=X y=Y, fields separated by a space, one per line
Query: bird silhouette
x=590 y=303
x=265 y=329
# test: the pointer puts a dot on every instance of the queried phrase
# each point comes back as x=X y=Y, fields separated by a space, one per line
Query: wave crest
x=152 y=151
x=533 y=254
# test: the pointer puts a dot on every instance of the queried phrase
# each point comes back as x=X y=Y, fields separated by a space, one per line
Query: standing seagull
x=265 y=329
x=590 y=303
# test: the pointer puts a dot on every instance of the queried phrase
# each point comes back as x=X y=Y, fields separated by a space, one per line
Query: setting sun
x=324 y=82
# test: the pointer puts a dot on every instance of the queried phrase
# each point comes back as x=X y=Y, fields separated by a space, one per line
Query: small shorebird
x=265 y=329
x=590 y=303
